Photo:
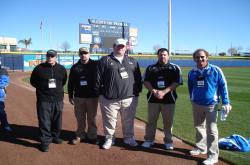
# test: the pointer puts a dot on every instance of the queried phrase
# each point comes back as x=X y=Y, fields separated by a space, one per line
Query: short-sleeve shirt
x=162 y=76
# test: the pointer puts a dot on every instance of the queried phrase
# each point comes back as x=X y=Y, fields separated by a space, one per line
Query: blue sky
x=215 y=25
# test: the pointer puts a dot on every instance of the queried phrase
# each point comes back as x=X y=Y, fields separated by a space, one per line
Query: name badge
x=200 y=81
x=161 y=84
x=52 y=83
x=123 y=73
x=83 y=83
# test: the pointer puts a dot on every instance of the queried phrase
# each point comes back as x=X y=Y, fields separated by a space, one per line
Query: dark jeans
x=50 y=120
x=3 y=116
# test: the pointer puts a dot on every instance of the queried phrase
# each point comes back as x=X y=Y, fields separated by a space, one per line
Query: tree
x=26 y=42
x=234 y=51
x=222 y=54
x=156 y=48
x=65 y=46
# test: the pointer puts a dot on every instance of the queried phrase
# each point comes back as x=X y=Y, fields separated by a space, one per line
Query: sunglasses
x=50 y=55
x=82 y=53
x=198 y=57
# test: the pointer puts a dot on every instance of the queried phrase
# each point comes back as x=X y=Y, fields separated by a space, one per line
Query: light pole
x=169 y=27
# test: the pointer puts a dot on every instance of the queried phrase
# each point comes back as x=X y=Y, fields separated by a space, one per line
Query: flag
x=41 y=25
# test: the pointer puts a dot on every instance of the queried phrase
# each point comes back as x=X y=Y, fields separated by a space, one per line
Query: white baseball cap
x=121 y=41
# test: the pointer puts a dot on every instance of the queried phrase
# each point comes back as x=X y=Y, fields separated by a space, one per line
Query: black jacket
x=109 y=82
x=40 y=79
x=81 y=80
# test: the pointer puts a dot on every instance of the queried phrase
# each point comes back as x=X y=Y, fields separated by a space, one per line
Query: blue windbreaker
x=4 y=82
x=212 y=87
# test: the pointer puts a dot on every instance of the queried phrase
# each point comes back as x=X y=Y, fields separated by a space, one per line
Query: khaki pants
x=86 y=108
x=110 y=110
x=205 y=123
x=167 y=112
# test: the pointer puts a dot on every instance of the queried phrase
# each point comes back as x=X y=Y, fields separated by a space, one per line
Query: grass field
x=237 y=123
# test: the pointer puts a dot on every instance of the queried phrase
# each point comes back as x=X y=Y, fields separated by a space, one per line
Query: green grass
x=237 y=123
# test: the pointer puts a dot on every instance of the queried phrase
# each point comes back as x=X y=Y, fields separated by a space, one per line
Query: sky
x=215 y=25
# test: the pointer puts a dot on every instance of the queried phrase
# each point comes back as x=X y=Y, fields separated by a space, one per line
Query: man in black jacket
x=82 y=96
x=118 y=84
x=49 y=78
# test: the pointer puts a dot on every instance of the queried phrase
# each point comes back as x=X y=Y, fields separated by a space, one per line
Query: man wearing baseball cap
x=49 y=78
x=82 y=96
x=118 y=84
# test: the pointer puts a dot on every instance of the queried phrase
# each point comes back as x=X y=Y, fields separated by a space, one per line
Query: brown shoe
x=75 y=141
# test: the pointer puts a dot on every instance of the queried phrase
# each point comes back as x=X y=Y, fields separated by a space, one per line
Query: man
x=206 y=83
x=82 y=96
x=49 y=78
x=161 y=80
x=118 y=84
x=4 y=82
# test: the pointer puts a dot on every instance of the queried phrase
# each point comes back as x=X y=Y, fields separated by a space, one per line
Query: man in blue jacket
x=206 y=84
x=4 y=82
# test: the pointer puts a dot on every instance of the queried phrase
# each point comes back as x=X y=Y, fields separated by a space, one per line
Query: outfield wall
x=27 y=62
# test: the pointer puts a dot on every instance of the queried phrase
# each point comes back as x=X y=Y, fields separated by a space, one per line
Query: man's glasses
x=49 y=55
x=82 y=53
x=198 y=57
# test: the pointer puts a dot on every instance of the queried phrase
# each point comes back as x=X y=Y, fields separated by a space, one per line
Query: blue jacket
x=235 y=142
x=4 y=82
x=207 y=85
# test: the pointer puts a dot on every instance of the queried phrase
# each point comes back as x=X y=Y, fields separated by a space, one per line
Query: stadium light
x=169 y=26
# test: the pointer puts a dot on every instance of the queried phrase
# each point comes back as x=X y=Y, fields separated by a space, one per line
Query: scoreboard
x=103 y=34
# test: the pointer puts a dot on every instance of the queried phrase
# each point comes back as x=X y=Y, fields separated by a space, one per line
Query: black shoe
x=93 y=141
x=57 y=141
x=44 y=148
x=7 y=129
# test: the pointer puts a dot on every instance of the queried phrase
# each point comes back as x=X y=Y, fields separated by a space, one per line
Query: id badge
x=52 y=83
x=160 y=84
x=123 y=73
x=83 y=83
x=200 y=81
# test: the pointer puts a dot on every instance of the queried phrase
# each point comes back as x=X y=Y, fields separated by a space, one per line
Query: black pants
x=50 y=120
x=3 y=116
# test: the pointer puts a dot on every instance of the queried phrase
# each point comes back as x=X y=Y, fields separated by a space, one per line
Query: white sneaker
x=197 y=151
x=169 y=146
x=108 y=143
x=131 y=142
x=210 y=161
x=147 y=144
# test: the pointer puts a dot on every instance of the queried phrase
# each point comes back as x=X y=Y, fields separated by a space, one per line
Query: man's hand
x=227 y=108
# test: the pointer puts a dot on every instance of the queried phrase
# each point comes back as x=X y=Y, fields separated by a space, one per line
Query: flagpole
x=41 y=28
x=169 y=26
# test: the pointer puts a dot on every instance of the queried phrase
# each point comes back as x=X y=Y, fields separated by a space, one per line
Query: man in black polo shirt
x=82 y=96
x=161 y=80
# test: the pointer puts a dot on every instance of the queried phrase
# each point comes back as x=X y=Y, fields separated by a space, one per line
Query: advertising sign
x=85 y=34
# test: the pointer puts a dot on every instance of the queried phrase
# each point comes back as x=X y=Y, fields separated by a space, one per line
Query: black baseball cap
x=51 y=52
